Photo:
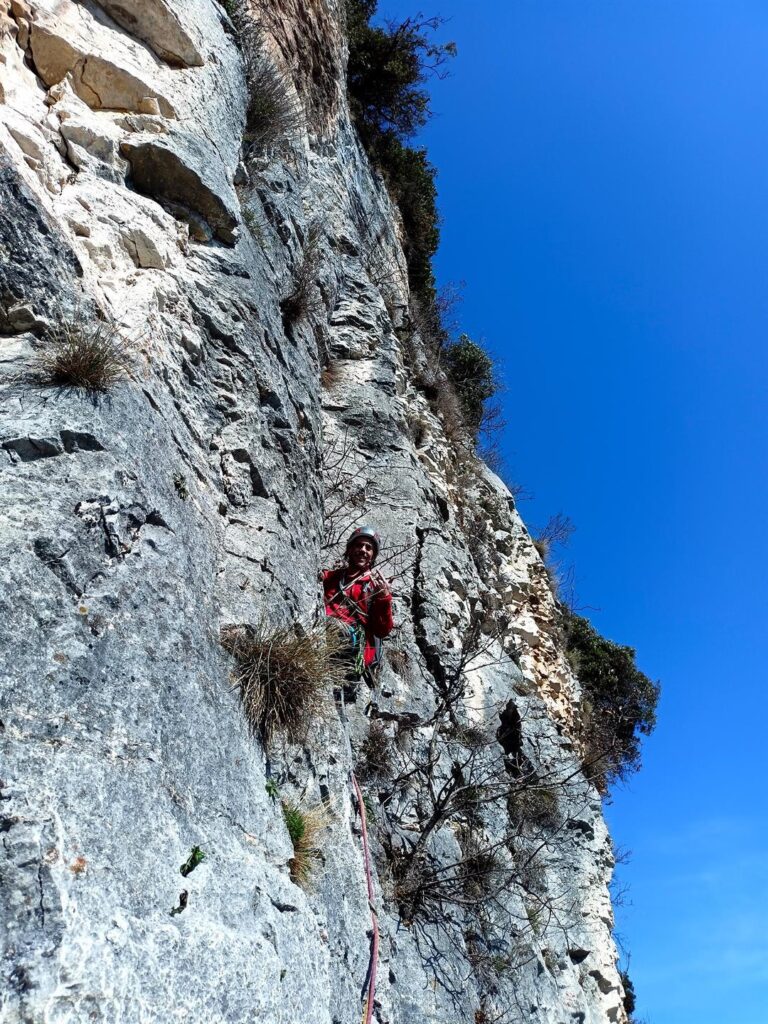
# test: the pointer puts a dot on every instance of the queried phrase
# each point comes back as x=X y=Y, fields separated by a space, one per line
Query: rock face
x=208 y=489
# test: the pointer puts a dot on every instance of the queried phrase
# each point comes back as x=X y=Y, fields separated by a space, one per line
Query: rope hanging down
x=368 y=1009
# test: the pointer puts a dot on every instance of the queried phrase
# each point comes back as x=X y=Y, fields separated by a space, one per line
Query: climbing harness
x=368 y=1007
x=357 y=630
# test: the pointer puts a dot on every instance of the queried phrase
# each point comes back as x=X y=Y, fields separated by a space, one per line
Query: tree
x=470 y=369
x=387 y=70
x=619 y=701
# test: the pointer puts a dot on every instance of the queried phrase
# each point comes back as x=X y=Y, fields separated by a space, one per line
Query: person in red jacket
x=360 y=597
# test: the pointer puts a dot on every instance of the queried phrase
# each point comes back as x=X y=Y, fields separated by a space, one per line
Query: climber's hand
x=382 y=587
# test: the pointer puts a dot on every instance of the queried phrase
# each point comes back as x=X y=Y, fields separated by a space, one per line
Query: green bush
x=629 y=999
x=619 y=701
x=387 y=71
x=386 y=75
x=411 y=179
x=470 y=370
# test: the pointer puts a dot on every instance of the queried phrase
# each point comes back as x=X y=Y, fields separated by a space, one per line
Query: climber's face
x=361 y=554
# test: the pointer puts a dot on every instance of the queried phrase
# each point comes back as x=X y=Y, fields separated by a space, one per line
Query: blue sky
x=603 y=176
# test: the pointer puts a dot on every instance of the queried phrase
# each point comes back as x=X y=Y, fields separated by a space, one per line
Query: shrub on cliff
x=302 y=298
x=387 y=72
x=388 y=68
x=470 y=370
x=619 y=701
x=273 y=115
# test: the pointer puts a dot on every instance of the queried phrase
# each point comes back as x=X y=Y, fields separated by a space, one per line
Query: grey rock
x=183 y=171
x=161 y=27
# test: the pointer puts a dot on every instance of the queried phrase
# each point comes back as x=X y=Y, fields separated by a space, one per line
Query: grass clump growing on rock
x=273 y=115
x=285 y=676
x=376 y=754
x=535 y=806
x=81 y=353
x=305 y=826
x=302 y=299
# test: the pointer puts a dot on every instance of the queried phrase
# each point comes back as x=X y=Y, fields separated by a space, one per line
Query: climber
x=359 y=596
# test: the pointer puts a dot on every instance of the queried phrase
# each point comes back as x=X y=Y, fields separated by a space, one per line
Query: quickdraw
x=358 y=644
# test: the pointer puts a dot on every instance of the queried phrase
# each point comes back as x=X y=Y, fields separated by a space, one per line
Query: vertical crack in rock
x=429 y=652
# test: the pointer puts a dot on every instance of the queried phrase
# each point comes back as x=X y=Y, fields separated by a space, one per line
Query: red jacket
x=359 y=603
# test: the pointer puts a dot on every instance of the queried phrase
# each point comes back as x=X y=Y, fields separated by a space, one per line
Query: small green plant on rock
x=305 y=827
x=272 y=789
x=195 y=858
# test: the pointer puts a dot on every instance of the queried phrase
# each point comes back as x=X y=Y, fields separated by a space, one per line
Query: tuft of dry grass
x=376 y=753
x=286 y=675
x=418 y=425
x=398 y=660
x=82 y=353
x=331 y=375
x=274 y=116
x=534 y=805
x=305 y=827
x=302 y=300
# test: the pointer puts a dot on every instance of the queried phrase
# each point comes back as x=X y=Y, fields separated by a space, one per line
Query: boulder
x=182 y=170
x=160 y=27
x=108 y=70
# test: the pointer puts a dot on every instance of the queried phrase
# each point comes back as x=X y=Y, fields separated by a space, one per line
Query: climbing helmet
x=369 y=533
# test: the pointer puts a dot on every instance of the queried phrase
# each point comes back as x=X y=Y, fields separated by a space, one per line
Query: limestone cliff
x=202 y=492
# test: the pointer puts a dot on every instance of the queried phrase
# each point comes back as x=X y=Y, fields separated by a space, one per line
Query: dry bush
x=285 y=675
x=331 y=375
x=398 y=660
x=418 y=425
x=305 y=827
x=302 y=300
x=448 y=407
x=480 y=869
x=376 y=753
x=273 y=116
x=556 y=533
x=81 y=352
x=534 y=805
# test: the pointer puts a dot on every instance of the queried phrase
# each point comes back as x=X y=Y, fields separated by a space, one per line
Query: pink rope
x=368 y=1012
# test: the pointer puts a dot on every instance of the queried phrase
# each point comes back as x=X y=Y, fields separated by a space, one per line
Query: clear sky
x=603 y=175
